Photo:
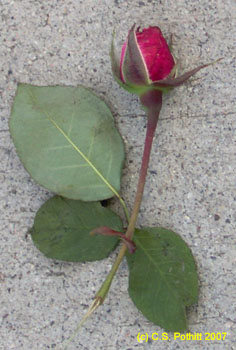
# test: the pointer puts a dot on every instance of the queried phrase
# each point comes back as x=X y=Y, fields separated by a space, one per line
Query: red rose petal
x=156 y=53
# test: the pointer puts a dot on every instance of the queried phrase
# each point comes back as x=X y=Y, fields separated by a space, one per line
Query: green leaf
x=163 y=278
x=66 y=139
x=62 y=229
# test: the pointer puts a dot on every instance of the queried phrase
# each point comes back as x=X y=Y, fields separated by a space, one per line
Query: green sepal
x=133 y=89
x=133 y=66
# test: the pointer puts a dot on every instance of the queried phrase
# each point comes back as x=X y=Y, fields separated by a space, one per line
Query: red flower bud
x=154 y=53
x=147 y=64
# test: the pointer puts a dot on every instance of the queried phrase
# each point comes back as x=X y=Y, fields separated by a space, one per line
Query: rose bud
x=151 y=57
x=146 y=63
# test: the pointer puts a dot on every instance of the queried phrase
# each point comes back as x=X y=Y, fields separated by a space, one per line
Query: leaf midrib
x=160 y=272
x=76 y=148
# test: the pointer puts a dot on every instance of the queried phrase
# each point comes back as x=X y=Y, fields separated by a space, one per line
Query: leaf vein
x=76 y=148
x=157 y=267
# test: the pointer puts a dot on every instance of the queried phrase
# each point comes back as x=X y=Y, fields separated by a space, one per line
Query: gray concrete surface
x=191 y=186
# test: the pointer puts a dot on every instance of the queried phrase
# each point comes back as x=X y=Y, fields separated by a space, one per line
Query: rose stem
x=153 y=115
x=153 y=101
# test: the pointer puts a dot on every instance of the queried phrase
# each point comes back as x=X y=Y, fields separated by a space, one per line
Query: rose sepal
x=136 y=89
x=133 y=68
x=172 y=82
